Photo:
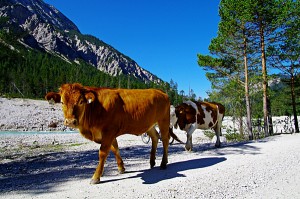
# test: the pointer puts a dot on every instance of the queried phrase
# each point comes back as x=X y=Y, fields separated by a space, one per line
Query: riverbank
x=30 y=115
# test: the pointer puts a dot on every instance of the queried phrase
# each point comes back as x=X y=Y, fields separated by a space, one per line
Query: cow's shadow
x=155 y=175
x=152 y=176
x=44 y=172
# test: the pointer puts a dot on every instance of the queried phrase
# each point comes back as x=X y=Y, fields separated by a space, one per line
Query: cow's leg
x=165 y=136
x=154 y=138
x=115 y=149
x=189 y=143
x=217 y=129
x=164 y=161
x=103 y=152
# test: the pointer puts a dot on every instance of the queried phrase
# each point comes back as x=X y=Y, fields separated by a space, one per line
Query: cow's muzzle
x=73 y=123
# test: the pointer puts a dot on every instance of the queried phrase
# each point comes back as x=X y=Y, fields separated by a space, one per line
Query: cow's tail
x=221 y=110
x=172 y=134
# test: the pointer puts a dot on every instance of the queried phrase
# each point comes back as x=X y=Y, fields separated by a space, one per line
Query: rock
x=52 y=125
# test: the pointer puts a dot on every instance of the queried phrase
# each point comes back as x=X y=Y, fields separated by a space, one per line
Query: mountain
x=44 y=28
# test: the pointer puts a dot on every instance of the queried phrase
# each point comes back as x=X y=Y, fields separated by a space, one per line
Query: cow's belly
x=137 y=131
x=208 y=122
x=204 y=126
x=138 y=127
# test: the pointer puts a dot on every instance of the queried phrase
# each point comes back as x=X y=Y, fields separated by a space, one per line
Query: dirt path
x=265 y=169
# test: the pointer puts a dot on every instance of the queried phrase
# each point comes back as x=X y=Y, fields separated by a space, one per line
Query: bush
x=233 y=136
x=209 y=134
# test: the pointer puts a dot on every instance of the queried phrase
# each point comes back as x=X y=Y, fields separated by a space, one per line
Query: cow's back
x=135 y=110
x=208 y=114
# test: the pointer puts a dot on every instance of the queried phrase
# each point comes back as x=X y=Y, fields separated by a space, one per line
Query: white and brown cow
x=199 y=115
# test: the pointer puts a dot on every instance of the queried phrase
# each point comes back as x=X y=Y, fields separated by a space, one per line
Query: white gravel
x=30 y=115
x=60 y=165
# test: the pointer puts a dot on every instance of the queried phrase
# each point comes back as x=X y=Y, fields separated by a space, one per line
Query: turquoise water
x=4 y=133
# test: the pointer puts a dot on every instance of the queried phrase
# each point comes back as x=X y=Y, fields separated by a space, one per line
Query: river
x=10 y=133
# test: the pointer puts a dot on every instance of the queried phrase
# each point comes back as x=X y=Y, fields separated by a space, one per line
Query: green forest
x=254 y=61
x=30 y=73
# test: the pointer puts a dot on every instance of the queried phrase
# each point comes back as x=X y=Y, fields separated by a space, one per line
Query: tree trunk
x=241 y=126
x=294 y=103
x=265 y=80
x=270 y=121
x=247 y=98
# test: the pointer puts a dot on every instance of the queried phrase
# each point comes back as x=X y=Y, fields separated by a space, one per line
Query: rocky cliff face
x=48 y=29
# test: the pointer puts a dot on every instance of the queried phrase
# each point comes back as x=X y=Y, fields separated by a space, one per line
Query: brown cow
x=52 y=97
x=199 y=115
x=102 y=114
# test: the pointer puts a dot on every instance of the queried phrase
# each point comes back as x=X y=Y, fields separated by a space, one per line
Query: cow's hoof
x=188 y=148
x=152 y=164
x=121 y=170
x=218 y=145
x=95 y=181
x=163 y=166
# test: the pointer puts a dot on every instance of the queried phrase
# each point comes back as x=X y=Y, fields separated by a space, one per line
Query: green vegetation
x=31 y=73
x=257 y=43
x=210 y=134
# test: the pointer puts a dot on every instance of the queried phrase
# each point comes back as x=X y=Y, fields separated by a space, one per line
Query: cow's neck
x=89 y=125
x=91 y=115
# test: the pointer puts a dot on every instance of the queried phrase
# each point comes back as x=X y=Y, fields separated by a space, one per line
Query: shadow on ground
x=42 y=173
x=155 y=175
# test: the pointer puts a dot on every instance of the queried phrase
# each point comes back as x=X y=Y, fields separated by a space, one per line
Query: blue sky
x=162 y=36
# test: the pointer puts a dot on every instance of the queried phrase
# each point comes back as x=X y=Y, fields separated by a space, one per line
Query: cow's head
x=74 y=98
x=186 y=114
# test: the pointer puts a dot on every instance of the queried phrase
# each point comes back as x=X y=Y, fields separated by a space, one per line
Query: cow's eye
x=80 y=102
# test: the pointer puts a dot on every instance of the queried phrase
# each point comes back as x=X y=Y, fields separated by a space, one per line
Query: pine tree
x=269 y=16
x=285 y=54
x=246 y=30
x=232 y=46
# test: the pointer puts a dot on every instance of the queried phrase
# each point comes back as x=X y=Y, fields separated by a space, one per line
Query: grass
x=231 y=135
x=35 y=149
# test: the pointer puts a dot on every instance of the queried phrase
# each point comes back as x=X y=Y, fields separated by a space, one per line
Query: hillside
x=42 y=27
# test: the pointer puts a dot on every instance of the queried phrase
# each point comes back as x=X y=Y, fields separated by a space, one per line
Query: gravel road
x=267 y=168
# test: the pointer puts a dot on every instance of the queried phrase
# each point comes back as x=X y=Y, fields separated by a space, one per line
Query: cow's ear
x=90 y=97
